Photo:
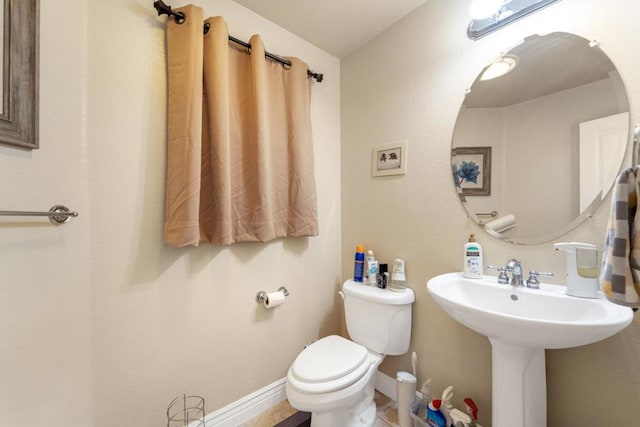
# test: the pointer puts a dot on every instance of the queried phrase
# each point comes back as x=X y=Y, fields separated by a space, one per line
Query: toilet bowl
x=338 y=391
x=334 y=378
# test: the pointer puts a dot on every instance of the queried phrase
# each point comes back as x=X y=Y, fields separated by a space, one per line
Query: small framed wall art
x=472 y=170
x=389 y=159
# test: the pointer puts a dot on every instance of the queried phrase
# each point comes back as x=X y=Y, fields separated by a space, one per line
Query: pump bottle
x=473 y=267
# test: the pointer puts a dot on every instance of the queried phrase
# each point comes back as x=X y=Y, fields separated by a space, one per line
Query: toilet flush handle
x=341 y=294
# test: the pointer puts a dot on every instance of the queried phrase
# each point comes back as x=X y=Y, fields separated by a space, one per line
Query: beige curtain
x=240 y=153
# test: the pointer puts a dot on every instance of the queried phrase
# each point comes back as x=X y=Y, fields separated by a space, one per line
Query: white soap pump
x=582 y=268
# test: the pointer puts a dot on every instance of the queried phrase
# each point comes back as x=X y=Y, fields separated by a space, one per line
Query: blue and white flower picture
x=471 y=168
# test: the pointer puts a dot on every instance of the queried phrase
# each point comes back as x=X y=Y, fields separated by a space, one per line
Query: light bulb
x=500 y=67
x=482 y=9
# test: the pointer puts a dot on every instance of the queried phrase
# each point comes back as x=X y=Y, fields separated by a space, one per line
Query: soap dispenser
x=582 y=268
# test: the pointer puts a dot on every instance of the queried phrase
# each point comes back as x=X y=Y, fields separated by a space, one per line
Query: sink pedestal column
x=519 y=386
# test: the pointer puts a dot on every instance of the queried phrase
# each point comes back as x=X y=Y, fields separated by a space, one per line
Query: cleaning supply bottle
x=459 y=418
x=420 y=410
x=447 y=406
x=473 y=267
x=358 y=267
x=372 y=268
x=434 y=416
x=472 y=410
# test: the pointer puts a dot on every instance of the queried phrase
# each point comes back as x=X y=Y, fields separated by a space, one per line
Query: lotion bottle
x=473 y=268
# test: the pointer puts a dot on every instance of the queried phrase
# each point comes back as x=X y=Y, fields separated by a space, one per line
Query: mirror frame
x=19 y=117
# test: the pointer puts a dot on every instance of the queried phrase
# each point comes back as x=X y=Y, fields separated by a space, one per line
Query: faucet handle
x=502 y=274
x=533 y=282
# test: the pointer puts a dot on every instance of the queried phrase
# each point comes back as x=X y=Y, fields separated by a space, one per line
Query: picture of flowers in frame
x=389 y=159
x=471 y=168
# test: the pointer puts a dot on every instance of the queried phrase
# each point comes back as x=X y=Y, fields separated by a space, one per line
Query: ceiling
x=546 y=65
x=336 y=26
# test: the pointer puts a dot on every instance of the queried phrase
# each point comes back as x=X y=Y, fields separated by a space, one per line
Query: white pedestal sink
x=520 y=323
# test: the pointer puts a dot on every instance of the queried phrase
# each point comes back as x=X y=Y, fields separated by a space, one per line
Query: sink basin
x=545 y=317
x=520 y=324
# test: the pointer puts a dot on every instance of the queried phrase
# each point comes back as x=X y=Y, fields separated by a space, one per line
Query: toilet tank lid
x=375 y=294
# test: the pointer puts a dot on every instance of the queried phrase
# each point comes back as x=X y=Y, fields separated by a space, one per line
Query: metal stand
x=186 y=411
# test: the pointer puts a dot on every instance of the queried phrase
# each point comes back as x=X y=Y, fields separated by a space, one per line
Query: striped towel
x=620 y=273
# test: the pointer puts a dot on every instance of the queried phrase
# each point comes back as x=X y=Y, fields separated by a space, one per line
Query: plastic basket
x=417 y=422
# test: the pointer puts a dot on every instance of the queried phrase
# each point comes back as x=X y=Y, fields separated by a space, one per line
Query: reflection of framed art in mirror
x=472 y=170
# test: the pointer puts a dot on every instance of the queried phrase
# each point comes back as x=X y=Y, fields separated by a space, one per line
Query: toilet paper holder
x=261 y=296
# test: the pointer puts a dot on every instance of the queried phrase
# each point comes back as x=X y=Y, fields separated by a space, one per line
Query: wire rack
x=186 y=411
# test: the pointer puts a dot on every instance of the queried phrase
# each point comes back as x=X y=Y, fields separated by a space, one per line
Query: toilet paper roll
x=274 y=299
x=501 y=224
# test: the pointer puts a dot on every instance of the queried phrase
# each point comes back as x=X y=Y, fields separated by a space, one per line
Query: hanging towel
x=620 y=273
x=240 y=162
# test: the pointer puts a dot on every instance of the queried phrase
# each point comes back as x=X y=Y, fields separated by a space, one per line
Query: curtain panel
x=240 y=162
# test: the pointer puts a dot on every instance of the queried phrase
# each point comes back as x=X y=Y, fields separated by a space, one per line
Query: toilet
x=334 y=378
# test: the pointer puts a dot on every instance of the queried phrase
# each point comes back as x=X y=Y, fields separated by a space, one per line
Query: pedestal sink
x=520 y=323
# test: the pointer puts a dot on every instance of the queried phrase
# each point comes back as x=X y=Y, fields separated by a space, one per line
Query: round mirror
x=540 y=137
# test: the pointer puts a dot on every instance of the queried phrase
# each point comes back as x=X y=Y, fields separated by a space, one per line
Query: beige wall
x=167 y=321
x=548 y=145
x=45 y=285
x=408 y=83
x=101 y=323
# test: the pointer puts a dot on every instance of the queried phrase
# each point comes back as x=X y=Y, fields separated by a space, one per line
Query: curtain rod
x=180 y=17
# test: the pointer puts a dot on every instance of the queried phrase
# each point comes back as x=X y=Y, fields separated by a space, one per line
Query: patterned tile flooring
x=387 y=414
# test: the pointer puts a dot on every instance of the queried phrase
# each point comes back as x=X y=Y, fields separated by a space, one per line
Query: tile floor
x=272 y=416
x=387 y=414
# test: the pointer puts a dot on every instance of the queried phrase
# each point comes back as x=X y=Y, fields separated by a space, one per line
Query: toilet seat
x=329 y=364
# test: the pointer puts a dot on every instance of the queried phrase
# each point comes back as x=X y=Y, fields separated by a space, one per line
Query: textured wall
x=165 y=320
x=101 y=323
x=408 y=83
x=44 y=270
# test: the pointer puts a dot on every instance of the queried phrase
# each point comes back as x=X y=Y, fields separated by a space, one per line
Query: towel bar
x=58 y=214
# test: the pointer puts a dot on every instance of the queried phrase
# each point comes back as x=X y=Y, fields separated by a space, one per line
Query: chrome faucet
x=516 y=280
x=515 y=267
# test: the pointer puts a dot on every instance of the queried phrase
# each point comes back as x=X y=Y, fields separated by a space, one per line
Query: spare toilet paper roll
x=274 y=299
x=501 y=224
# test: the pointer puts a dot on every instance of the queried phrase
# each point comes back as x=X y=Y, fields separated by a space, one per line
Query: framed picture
x=389 y=159
x=471 y=168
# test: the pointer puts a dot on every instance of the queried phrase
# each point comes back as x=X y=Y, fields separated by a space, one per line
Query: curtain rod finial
x=164 y=9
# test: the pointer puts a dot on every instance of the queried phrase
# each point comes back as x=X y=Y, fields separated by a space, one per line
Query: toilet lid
x=330 y=364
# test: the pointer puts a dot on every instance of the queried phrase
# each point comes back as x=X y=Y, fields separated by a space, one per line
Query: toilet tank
x=378 y=319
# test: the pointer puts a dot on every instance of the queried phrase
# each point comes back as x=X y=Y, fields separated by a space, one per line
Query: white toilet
x=334 y=378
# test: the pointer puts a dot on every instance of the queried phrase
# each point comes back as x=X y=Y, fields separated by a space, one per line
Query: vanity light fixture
x=483 y=9
x=491 y=15
x=500 y=67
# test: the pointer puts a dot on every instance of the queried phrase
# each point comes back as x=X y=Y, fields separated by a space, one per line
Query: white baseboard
x=386 y=385
x=252 y=405
x=248 y=407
